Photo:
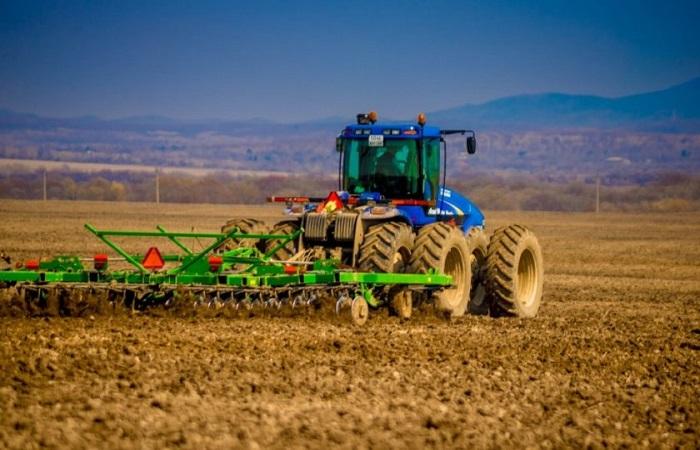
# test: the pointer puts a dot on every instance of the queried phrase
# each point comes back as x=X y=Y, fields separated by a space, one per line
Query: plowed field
x=613 y=358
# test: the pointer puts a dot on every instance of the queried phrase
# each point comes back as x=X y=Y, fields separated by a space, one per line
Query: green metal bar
x=66 y=277
x=319 y=278
x=281 y=280
x=19 y=275
x=175 y=240
x=259 y=236
x=203 y=279
x=395 y=278
x=177 y=234
x=101 y=235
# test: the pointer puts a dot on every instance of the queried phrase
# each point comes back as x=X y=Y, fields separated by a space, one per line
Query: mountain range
x=675 y=109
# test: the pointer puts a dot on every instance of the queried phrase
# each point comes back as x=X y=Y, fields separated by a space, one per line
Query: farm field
x=613 y=358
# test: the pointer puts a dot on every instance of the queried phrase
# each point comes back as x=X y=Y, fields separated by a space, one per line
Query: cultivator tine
x=246 y=304
x=343 y=303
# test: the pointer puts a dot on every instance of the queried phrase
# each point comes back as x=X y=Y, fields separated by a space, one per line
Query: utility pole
x=44 y=184
x=157 y=186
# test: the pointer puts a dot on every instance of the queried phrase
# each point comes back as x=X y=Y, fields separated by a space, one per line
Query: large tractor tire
x=443 y=248
x=290 y=248
x=515 y=272
x=248 y=226
x=386 y=248
x=479 y=302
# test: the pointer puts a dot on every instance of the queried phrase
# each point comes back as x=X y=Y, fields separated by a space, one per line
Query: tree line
x=667 y=191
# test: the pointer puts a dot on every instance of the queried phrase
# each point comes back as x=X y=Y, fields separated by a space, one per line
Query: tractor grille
x=316 y=226
x=345 y=227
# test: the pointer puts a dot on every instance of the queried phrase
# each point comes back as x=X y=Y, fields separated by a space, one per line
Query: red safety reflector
x=100 y=261
x=289 y=199
x=412 y=202
x=31 y=264
x=289 y=269
x=215 y=262
x=153 y=259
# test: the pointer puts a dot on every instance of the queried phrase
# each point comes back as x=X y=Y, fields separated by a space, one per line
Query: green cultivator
x=243 y=278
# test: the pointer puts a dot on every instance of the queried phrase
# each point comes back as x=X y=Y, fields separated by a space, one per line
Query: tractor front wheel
x=515 y=273
x=289 y=249
x=441 y=247
x=246 y=226
x=386 y=248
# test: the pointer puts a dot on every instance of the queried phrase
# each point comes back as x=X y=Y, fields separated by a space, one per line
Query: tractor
x=393 y=213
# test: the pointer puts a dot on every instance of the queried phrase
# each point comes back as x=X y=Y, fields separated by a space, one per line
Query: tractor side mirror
x=338 y=144
x=471 y=144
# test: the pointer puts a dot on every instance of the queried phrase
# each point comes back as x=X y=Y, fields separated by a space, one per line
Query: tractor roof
x=391 y=131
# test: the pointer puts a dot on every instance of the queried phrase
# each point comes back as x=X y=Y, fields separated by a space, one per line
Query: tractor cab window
x=431 y=168
x=391 y=169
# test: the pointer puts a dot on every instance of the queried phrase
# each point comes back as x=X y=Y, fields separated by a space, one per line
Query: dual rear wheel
x=500 y=277
x=514 y=272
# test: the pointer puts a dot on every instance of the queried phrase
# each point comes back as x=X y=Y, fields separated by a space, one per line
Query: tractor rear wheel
x=478 y=247
x=248 y=226
x=386 y=248
x=515 y=272
x=290 y=249
x=443 y=248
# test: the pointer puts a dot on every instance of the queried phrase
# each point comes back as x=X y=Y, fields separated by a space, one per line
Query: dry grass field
x=612 y=360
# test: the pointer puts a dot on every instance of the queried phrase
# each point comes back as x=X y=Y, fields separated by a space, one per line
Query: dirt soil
x=612 y=360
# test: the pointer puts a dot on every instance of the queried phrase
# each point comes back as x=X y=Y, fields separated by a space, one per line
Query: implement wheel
x=359 y=311
x=248 y=226
x=290 y=248
x=515 y=272
x=441 y=247
x=386 y=248
x=478 y=243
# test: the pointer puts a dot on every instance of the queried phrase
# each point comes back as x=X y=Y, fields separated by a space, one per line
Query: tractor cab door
x=430 y=168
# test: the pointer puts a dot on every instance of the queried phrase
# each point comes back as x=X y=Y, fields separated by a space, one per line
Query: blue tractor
x=392 y=212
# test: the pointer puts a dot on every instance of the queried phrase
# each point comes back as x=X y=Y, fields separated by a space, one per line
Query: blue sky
x=297 y=60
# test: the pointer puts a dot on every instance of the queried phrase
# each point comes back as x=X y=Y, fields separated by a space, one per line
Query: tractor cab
x=393 y=161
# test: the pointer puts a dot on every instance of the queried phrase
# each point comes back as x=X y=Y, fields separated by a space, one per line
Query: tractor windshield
x=392 y=169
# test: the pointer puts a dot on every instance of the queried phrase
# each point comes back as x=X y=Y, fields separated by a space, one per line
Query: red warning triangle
x=333 y=198
x=153 y=259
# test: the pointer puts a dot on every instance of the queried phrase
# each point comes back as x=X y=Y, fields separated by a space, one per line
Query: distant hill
x=553 y=134
x=674 y=109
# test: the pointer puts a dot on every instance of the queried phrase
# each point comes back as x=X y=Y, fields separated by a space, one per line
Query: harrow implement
x=243 y=279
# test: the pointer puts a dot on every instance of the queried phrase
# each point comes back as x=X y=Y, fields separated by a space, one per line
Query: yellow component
x=458 y=210
x=330 y=207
